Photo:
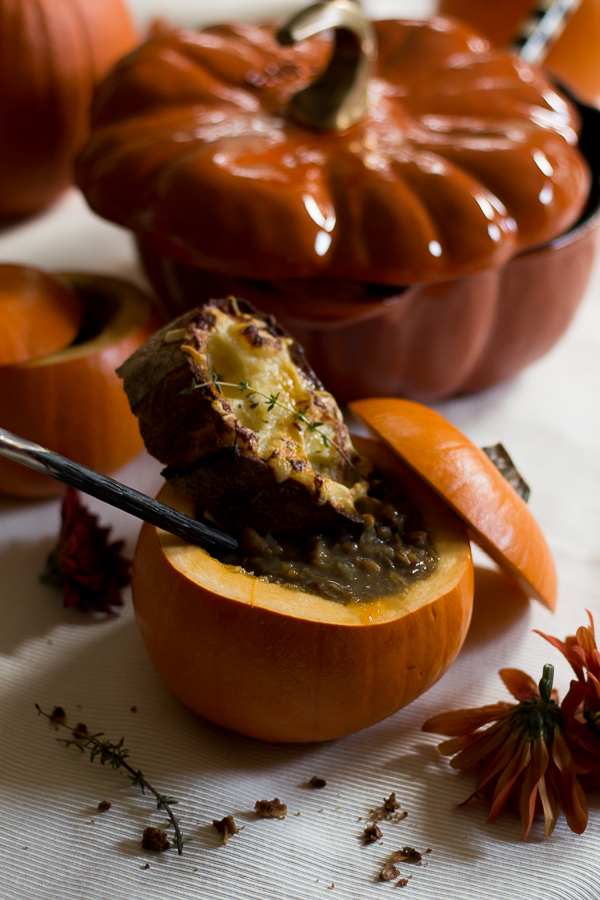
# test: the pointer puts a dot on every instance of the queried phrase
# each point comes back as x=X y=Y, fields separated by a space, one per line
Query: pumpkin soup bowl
x=278 y=664
x=426 y=341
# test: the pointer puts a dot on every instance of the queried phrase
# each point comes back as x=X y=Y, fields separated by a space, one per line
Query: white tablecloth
x=54 y=842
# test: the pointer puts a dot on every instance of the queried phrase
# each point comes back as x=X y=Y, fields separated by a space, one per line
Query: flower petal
x=519 y=683
x=464 y=721
x=531 y=778
x=566 y=648
x=508 y=777
x=550 y=804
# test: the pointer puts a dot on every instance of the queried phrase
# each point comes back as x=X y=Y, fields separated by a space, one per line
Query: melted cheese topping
x=245 y=353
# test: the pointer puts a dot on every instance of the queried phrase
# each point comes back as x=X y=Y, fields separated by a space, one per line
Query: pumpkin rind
x=466 y=157
x=39 y=314
x=52 y=56
x=279 y=665
x=470 y=483
x=72 y=401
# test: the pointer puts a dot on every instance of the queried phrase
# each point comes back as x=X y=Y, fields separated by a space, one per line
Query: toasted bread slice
x=226 y=399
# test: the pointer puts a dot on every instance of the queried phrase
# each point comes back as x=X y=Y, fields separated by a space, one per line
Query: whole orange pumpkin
x=53 y=53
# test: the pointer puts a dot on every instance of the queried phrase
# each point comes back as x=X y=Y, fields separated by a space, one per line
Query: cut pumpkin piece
x=462 y=474
x=71 y=400
x=39 y=314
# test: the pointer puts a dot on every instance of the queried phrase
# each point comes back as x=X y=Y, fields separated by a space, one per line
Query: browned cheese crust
x=283 y=467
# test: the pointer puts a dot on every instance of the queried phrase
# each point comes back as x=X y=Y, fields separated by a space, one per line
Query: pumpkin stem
x=337 y=99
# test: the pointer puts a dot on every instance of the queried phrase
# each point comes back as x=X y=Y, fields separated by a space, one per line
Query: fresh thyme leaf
x=115 y=754
x=254 y=397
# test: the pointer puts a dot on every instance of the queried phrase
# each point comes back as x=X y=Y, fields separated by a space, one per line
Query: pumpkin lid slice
x=461 y=473
x=39 y=314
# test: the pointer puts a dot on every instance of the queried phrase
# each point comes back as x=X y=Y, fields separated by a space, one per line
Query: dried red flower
x=90 y=571
x=524 y=756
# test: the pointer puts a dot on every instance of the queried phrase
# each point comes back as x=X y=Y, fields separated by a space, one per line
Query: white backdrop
x=55 y=844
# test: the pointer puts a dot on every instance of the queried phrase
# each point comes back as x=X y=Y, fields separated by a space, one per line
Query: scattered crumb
x=133 y=709
x=388 y=810
x=360 y=818
x=371 y=834
x=297 y=814
x=407 y=854
x=58 y=716
x=147 y=866
x=270 y=809
x=155 y=839
x=331 y=886
x=226 y=828
x=390 y=804
x=389 y=872
x=24 y=848
x=104 y=806
x=92 y=822
x=402 y=882
x=80 y=731
x=316 y=782
x=429 y=850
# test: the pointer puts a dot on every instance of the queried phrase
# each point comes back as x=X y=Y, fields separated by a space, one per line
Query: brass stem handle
x=338 y=98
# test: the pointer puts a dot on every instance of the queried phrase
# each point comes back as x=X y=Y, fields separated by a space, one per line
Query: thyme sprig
x=255 y=397
x=116 y=757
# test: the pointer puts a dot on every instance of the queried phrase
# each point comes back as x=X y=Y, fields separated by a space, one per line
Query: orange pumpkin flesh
x=282 y=665
x=38 y=314
x=469 y=482
x=72 y=401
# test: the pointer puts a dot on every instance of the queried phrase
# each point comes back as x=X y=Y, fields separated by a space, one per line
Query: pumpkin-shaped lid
x=465 y=477
x=465 y=155
x=39 y=314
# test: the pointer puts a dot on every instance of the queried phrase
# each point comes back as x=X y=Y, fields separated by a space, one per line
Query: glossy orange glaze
x=574 y=58
x=52 y=56
x=425 y=341
x=466 y=157
x=465 y=477
x=38 y=314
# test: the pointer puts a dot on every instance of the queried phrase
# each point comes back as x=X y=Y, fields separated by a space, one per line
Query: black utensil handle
x=113 y=492
x=542 y=28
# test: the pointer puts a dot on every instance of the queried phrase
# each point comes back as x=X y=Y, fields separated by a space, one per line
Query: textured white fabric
x=54 y=842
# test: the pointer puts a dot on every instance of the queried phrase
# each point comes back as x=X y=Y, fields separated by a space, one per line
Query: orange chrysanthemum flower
x=581 y=706
x=525 y=755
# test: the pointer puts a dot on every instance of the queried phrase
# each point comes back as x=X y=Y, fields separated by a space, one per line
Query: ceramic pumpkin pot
x=52 y=56
x=574 y=58
x=70 y=399
x=401 y=236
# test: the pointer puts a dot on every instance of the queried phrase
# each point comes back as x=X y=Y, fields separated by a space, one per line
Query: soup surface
x=388 y=553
